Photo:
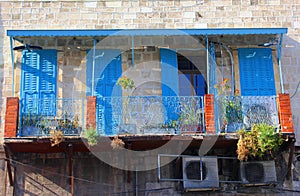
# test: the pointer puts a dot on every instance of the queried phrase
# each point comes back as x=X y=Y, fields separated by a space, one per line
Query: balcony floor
x=133 y=142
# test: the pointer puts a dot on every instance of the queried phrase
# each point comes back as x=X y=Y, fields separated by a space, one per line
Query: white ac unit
x=200 y=172
x=258 y=172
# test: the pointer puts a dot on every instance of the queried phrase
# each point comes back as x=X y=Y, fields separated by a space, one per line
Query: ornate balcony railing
x=234 y=113
x=40 y=116
x=150 y=115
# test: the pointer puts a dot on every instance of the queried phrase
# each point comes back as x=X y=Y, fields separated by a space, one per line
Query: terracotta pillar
x=91 y=112
x=285 y=113
x=11 y=117
x=209 y=114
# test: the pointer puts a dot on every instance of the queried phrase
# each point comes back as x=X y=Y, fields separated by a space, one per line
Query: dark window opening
x=191 y=80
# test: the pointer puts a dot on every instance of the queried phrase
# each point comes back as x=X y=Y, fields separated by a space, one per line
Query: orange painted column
x=209 y=114
x=285 y=113
x=91 y=112
x=11 y=117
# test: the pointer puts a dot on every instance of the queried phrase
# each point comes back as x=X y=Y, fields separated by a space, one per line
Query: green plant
x=29 y=119
x=91 y=135
x=190 y=114
x=223 y=88
x=232 y=109
x=171 y=124
x=262 y=142
x=127 y=84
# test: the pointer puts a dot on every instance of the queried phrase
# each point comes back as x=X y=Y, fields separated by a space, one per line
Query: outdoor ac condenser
x=200 y=172
x=258 y=172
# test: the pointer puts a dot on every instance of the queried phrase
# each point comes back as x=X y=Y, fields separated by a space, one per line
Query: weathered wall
x=48 y=174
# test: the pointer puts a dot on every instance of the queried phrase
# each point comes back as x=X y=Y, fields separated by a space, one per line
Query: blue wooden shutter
x=107 y=70
x=38 y=81
x=256 y=72
x=29 y=81
x=169 y=80
x=48 y=77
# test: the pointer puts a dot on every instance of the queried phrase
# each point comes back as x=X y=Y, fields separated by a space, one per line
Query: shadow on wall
x=290 y=68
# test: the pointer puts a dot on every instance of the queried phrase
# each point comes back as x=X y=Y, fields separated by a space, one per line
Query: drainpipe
x=207 y=64
x=132 y=50
x=93 y=68
x=13 y=67
x=279 y=45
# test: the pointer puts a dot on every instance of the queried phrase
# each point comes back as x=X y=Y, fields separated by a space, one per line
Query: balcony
x=236 y=112
x=38 y=117
x=146 y=115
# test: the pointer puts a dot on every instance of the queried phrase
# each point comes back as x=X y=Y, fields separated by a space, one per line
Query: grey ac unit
x=258 y=172
x=200 y=172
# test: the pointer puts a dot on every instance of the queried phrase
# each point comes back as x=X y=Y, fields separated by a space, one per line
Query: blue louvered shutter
x=169 y=81
x=256 y=72
x=38 y=81
x=107 y=70
x=30 y=81
x=48 y=77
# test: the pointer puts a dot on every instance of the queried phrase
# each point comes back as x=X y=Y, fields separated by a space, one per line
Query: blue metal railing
x=237 y=112
x=145 y=115
x=150 y=115
x=40 y=116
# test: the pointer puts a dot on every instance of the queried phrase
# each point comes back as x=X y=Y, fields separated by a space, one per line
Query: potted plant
x=190 y=118
x=261 y=143
x=127 y=84
x=230 y=106
x=256 y=149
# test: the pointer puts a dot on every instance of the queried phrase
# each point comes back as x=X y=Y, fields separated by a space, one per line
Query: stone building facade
x=128 y=14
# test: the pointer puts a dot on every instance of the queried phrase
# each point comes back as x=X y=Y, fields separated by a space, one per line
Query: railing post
x=11 y=117
x=209 y=114
x=91 y=112
x=285 y=113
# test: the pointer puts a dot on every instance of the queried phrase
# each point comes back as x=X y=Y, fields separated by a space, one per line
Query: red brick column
x=209 y=114
x=11 y=117
x=285 y=113
x=91 y=112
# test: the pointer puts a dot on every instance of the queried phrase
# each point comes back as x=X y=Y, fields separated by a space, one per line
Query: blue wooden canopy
x=145 y=32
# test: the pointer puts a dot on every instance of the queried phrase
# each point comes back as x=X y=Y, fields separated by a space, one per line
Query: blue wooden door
x=169 y=81
x=256 y=72
x=38 y=82
x=107 y=70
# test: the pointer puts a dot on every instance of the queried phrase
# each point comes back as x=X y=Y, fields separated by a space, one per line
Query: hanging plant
x=91 y=135
x=56 y=137
x=117 y=143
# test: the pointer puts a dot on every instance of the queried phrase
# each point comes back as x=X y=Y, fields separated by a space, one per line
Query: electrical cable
x=296 y=90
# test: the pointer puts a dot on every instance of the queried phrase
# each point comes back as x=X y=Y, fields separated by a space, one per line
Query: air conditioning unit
x=258 y=172
x=200 y=172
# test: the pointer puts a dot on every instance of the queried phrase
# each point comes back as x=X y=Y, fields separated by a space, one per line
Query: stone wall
x=83 y=14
